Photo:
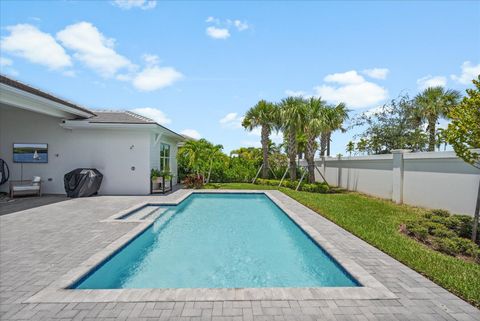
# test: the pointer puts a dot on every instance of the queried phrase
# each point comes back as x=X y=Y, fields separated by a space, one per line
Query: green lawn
x=377 y=222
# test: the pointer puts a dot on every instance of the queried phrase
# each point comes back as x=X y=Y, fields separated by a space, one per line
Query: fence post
x=397 y=172
x=339 y=171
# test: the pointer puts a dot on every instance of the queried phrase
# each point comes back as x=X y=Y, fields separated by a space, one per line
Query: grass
x=377 y=222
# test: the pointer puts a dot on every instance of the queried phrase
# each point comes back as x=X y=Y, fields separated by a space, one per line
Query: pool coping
x=59 y=291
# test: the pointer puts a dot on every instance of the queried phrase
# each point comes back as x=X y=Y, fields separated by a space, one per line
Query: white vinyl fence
x=428 y=179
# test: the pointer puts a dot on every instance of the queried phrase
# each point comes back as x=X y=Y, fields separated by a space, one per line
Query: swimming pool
x=219 y=241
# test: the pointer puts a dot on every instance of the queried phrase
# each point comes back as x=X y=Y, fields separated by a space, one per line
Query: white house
x=124 y=146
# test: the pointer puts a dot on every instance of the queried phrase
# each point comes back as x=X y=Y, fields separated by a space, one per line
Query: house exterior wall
x=108 y=150
x=155 y=154
x=432 y=180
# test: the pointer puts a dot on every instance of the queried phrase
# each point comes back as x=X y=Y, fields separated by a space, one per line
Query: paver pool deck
x=40 y=246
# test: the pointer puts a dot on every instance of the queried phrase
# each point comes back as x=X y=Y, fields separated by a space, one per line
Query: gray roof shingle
x=19 y=85
x=121 y=117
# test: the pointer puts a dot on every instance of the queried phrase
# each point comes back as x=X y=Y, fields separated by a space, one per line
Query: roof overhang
x=85 y=124
x=21 y=99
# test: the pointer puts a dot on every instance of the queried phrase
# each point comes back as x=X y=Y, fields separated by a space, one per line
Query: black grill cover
x=82 y=182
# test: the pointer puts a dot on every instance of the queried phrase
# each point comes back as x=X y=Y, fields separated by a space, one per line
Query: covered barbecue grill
x=82 y=182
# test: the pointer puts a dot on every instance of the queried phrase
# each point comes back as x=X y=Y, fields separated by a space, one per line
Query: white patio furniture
x=26 y=187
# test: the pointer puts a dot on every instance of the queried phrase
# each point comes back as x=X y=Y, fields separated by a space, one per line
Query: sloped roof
x=120 y=117
x=27 y=88
x=97 y=117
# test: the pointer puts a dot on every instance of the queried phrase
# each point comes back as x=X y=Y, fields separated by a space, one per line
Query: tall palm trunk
x=292 y=153
x=323 y=144
x=431 y=133
x=329 y=135
x=265 y=134
x=309 y=156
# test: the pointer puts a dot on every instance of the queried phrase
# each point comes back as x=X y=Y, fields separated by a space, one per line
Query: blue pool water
x=220 y=241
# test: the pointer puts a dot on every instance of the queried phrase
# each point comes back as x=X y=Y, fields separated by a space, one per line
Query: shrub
x=416 y=230
x=442 y=231
x=315 y=188
x=445 y=245
x=446 y=233
x=306 y=187
x=474 y=253
x=440 y=212
x=193 y=181
x=460 y=224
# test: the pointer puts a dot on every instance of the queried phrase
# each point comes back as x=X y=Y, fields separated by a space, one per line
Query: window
x=164 y=157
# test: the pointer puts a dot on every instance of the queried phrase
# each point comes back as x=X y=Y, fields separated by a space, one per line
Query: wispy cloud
x=431 y=81
x=295 y=93
x=231 y=120
x=155 y=77
x=221 y=29
x=130 y=4
x=154 y=114
x=217 y=33
x=191 y=133
x=469 y=72
x=377 y=73
x=4 y=62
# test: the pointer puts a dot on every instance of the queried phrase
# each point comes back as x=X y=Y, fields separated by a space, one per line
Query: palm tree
x=193 y=151
x=292 y=115
x=350 y=148
x=336 y=116
x=432 y=104
x=264 y=115
x=315 y=124
x=214 y=151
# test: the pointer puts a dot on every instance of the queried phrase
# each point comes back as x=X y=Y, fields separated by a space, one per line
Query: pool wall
x=61 y=291
x=79 y=284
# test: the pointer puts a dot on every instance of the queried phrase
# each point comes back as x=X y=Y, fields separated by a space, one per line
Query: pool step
x=162 y=220
x=154 y=214
x=141 y=213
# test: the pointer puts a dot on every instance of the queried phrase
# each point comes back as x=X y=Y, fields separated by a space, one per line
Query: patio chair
x=26 y=187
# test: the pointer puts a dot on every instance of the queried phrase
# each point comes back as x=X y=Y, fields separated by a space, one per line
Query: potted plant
x=166 y=177
x=156 y=177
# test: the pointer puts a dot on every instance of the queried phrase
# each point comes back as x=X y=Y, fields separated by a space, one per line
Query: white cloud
x=4 y=62
x=295 y=93
x=352 y=89
x=69 y=73
x=212 y=20
x=29 y=42
x=151 y=59
x=231 y=120
x=129 y=4
x=154 y=114
x=155 y=77
x=222 y=28
x=469 y=72
x=241 y=25
x=377 y=73
x=93 y=48
x=191 y=133
x=345 y=78
x=217 y=33
x=431 y=81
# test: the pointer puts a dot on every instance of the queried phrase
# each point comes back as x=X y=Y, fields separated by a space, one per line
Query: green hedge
x=312 y=188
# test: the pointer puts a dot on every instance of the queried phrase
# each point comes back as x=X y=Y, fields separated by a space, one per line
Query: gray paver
x=39 y=245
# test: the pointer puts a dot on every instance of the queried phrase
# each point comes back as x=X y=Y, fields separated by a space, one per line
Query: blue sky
x=196 y=67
